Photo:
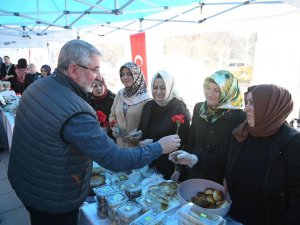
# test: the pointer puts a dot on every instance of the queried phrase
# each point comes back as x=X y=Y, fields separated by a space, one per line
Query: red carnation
x=178 y=119
x=101 y=117
x=113 y=123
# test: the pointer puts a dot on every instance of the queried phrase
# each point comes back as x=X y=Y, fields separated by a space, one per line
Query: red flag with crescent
x=138 y=51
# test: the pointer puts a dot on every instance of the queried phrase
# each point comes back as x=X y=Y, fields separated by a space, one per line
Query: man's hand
x=169 y=143
x=184 y=158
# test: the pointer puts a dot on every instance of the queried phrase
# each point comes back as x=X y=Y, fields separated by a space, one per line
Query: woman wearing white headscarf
x=156 y=121
x=129 y=102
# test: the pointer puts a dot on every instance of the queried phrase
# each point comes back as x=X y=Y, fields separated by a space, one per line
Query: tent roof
x=31 y=22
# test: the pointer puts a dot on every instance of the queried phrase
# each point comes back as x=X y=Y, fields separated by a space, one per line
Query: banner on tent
x=138 y=51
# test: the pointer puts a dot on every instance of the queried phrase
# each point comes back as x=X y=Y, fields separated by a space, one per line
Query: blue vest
x=47 y=173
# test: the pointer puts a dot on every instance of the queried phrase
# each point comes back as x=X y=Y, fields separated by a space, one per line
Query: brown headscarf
x=272 y=105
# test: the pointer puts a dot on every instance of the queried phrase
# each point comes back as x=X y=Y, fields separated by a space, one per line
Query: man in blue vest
x=57 y=135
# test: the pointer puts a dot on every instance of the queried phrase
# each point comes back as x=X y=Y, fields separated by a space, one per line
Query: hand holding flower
x=169 y=143
x=116 y=130
x=178 y=119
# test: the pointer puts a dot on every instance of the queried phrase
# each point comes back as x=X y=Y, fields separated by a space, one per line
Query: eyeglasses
x=96 y=71
x=43 y=71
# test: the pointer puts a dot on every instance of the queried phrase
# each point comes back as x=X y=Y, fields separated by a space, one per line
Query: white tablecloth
x=88 y=215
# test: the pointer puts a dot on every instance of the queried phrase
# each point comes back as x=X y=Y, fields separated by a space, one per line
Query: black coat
x=30 y=78
x=103 y=105
x=277 y=191
x=11 y=71
x=156 y=122
x=206 y=140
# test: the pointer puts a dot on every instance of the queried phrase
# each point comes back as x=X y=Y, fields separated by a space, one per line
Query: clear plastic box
x=101 y=192
x=104 y=190
x=192 y=214
x=113 y=201
x=152 y=217
x=132 y=190
x=147 y=203
x=119 y=178
x=128 y=212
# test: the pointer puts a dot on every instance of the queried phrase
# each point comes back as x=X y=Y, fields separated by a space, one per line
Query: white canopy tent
x=34 y=23
x=274 y=23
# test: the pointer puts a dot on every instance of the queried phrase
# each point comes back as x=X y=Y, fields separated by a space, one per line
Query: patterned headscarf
x=230 y=96
x=138 y=91
x=169 y=82
x=272 y=105
x=139 y=84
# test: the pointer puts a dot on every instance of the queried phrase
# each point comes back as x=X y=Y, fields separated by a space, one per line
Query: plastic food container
x=133 y=191
x=113 y=201
x=119 y=178
x=128 y=212
x=151 y=217
x=147 y=203
x=101 y=192
x=193 y=214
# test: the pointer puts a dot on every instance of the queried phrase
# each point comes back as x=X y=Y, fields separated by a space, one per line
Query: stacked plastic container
x=112 y=202
x=193 y=214
x=101 y=192
x=128 y=212
x=147 y=203
x=152 y=217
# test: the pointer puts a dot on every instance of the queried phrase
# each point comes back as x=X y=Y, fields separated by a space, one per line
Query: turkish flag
x=138 y=51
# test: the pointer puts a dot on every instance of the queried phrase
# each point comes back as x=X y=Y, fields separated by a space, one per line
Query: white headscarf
x=170 y=84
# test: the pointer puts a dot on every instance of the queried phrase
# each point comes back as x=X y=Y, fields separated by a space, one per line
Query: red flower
x=113 y=123
x=106 y=125
x=178 y=119
x=101 y=117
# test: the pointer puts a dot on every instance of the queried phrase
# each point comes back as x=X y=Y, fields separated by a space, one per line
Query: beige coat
x=132 y=119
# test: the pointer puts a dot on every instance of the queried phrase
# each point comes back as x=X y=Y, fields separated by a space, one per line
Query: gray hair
x=76 y=52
